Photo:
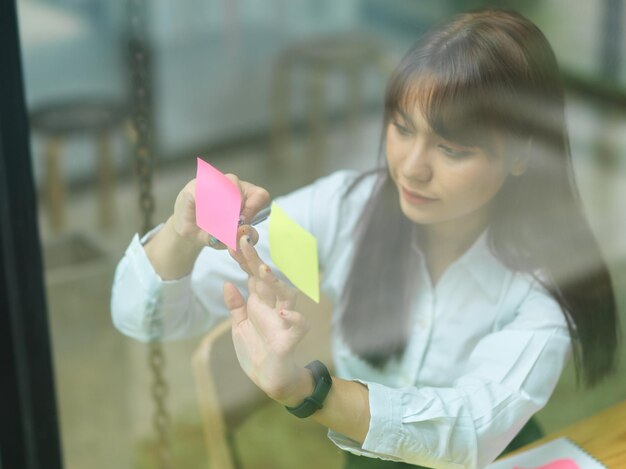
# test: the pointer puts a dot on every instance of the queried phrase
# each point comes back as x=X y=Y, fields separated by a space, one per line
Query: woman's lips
x=415 y=199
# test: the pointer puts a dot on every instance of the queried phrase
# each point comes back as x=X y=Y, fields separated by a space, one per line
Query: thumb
x=235 y=303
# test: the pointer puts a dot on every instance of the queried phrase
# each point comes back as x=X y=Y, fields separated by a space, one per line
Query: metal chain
x=142 y=117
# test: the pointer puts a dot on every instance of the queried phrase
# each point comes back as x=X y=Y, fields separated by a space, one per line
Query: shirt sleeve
x=145 y=307
x=511 y=374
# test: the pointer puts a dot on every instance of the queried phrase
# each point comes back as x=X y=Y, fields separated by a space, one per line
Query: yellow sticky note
x=294 y=251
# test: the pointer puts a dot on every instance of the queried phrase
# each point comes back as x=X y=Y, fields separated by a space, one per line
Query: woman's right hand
x=174 y=249
x=253 y=199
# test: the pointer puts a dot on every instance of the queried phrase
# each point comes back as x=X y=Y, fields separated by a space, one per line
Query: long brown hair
x=485 y=73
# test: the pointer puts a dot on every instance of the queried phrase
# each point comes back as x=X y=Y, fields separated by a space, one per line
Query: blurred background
x=124 y=95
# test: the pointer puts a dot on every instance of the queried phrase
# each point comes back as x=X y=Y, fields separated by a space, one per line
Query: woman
x=463 y=271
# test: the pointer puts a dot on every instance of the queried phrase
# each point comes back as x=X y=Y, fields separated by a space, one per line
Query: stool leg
x=105 y=179
x=280 y=114
x=317 y=125
x=54 y=184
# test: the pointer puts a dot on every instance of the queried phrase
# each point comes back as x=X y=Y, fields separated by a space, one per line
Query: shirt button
x=424 y=323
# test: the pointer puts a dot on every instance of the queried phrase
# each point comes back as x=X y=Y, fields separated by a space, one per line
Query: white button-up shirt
x=486 y=350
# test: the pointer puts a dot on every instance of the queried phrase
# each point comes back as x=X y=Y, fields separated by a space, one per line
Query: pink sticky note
x=218 y=204
x=559 y=464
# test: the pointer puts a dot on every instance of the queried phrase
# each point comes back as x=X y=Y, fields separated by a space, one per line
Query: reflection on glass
x=279 y=93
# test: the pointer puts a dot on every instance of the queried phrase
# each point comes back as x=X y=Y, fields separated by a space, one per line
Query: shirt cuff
x=150 y=234
x=383 y=436
x=167 y=292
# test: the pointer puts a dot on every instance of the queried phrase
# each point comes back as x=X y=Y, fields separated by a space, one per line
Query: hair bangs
x=459 y=100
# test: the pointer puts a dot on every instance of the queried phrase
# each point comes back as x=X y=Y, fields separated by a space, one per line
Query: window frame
x=29 y=429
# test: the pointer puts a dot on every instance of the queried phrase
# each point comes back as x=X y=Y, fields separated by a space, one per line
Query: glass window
x=124 y=96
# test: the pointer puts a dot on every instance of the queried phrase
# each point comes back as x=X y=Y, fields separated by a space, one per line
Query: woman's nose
x=417 y=165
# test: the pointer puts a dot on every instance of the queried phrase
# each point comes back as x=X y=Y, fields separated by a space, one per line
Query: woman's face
x=458 y=181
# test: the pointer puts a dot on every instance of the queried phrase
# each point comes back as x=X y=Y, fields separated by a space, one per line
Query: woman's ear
x=519 y=165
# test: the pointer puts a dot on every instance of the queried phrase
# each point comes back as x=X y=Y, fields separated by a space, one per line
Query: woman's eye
x=449 y=151
x=402 y=130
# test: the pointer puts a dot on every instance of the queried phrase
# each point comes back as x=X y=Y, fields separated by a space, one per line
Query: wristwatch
x=315 y=401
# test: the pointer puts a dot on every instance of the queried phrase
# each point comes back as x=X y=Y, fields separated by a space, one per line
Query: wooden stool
x=350 y=53
x=61 y=120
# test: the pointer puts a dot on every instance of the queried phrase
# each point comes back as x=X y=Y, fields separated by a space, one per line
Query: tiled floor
x=102 y=377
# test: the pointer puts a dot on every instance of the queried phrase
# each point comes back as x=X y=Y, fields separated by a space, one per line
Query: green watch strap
x=315 y=401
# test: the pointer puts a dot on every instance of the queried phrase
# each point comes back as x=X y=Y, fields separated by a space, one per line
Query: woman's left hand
x=266 y=330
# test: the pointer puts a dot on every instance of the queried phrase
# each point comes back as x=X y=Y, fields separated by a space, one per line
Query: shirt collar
x=484 y=268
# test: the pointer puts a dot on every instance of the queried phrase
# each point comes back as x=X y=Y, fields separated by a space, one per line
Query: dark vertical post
x=29 y=434
x=612 y=39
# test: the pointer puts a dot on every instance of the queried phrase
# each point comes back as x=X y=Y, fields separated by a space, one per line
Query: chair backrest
x=226 y=396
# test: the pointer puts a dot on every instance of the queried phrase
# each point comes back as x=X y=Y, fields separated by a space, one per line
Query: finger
x=242 y=232
x=187 y=198
x=237 y=182
x=213 y=242
x=261 y=313
x=238 y=257
x=266 y=291
x=281 y=290
x=298 y=325
x=251 y=258
x=234 y=178
x=252 y=284
x=235 y=303
x=189 y=192
x=250 y=231
x=255 y=198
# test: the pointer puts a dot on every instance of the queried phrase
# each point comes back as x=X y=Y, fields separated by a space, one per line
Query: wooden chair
x=227 y=397
x=352 y=54
x=56 y=123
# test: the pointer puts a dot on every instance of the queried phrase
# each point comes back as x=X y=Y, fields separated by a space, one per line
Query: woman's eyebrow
x=407 y=120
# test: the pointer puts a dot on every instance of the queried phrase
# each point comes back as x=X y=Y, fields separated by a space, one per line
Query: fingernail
x=241 y=220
